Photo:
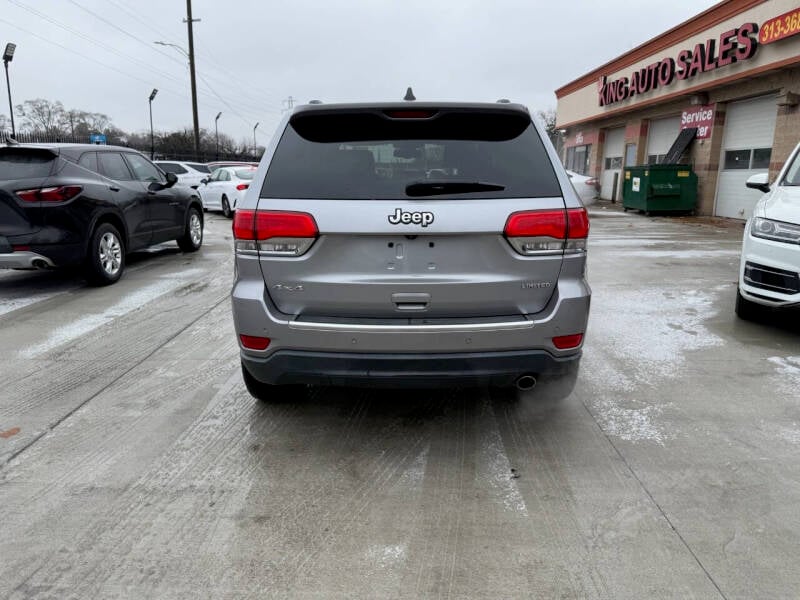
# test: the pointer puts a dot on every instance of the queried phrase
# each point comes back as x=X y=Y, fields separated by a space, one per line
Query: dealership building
x=719 y=92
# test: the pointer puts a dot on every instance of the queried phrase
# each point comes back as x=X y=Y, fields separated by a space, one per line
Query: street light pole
x=152 y=139
x=189 y=22
x=8 y=55
x=216 y=134
x=255 y=147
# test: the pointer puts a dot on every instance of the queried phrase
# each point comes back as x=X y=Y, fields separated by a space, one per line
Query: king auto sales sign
x=732 y=46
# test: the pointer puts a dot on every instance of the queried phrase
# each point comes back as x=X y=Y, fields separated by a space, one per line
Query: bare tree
x=42 y=116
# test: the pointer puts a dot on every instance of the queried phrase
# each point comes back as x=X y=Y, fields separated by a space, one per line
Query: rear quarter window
x=366 y=155
x=25 y=163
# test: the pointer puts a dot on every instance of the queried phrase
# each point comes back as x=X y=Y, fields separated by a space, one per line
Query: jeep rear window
x=28 y=163
x=366 y=155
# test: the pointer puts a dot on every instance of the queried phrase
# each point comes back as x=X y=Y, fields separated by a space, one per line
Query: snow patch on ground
x=790 y=434
x=493 y=467
x=8 y=305
x=788 y=367
x=643 y=350
x=82 y=326
x=386 y=556
x=679 y=254
x=631 y=425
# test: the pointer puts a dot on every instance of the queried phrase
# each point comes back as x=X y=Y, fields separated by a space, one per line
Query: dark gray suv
x=407 y=245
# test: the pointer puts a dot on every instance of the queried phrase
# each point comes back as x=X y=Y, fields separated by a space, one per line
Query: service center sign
x=700 y=117
x=734 y=45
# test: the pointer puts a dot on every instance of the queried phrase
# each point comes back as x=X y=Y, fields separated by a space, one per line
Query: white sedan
x=226 y=188
x=586 y=187
x=769 y=272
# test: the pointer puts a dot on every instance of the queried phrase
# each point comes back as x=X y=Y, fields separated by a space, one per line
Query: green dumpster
x=657 y=188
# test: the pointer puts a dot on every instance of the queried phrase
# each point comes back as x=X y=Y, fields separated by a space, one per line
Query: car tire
x=226 y=208
x=192 y=237
x=105 y=260
x=745 y=309
x=266 y=392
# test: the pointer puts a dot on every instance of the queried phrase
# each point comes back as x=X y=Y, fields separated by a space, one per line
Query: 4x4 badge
x=408 y=218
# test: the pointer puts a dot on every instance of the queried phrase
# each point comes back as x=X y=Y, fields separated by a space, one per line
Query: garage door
x=613 y=151
x=746 y=150
x=660 y=136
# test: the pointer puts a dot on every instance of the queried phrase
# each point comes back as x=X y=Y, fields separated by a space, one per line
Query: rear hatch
x=405 y=212
x=22 y=168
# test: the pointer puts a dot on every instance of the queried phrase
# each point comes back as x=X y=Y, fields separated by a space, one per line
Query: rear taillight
x=565 y=342
x=254 y=342
x=577 y=230
x=242 y=186
x=272 y=232
x=538 y=232
x=50 y=194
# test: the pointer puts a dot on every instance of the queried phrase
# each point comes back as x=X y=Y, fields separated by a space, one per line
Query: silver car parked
x=409 y=244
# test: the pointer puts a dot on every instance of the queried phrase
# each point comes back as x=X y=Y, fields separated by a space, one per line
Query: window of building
x=630 y=155
x=754 y=158
x=761 y=158
x=578 y=159
x=654 y=159
x=613 y=162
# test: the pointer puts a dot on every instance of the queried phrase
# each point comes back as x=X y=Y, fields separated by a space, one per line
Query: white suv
x=189 y=174
x=769 y=273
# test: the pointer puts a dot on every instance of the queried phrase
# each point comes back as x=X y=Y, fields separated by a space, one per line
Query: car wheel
x=226 y=208
x=272 y=393
x=745 y=309
x=192 y=237
x=105 y=260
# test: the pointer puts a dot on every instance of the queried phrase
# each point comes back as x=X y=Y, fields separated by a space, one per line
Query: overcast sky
x=252 y=55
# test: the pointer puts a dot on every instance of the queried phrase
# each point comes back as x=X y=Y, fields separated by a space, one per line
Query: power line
x=146 y=66
x=97 y=62
x=150 y=46
x=125 y=32
x=136 y=17
x=100 y=44
x=106 y=47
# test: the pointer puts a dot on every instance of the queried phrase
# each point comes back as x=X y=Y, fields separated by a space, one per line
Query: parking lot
x=133 y=462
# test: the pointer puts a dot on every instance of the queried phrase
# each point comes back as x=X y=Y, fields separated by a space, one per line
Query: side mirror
x=172 y=179
x=205 y=180
x=759 y=181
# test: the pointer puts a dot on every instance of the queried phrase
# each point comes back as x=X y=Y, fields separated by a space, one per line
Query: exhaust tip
x=40 y=264
x=526 y=382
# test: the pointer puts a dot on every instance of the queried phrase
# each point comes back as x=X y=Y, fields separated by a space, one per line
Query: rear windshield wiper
x=435 y=188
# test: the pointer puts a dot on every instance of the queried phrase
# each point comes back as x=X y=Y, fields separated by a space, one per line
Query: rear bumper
x=405 y=370
x=24 y=260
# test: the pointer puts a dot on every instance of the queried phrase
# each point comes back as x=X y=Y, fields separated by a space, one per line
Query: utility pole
x=289 y=102
x=188 y=20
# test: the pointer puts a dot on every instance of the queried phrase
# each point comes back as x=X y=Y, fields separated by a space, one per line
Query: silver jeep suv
x=409 y=244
